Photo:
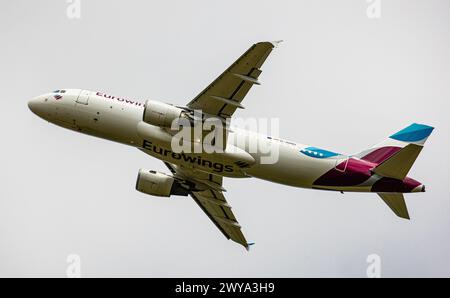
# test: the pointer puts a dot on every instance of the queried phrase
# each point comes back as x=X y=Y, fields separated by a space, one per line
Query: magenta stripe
x=381 y=154
x=356 y=172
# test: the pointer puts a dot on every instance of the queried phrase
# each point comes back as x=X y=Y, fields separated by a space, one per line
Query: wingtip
x=276 y=42
x=272 y=44
x=249 y=245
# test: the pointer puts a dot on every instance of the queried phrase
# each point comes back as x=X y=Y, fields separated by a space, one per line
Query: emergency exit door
x=83 y=97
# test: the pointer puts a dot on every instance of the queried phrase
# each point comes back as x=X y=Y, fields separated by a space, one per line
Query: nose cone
x=37 y=105
x=32 y=104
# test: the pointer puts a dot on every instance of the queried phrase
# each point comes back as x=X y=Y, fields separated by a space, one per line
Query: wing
x=223 y=96
x=211 y=200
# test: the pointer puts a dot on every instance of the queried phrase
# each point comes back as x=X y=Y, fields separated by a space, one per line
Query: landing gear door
x=83 y=97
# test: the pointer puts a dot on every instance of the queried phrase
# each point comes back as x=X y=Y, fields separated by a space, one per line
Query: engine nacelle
x=160 y=114
x=159 y=184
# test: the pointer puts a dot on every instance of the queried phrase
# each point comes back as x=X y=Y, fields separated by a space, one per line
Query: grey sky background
x=340 y=81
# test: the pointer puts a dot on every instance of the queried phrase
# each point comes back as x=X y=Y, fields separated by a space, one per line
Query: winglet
x=248 y=245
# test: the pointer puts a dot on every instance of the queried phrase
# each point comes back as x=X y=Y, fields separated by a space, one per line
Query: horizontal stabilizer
x=397 y=203
x=400 y=163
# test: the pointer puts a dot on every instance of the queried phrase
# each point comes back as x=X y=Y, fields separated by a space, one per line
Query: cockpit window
x=56 y=91
x=59 y=91
x=63 y=91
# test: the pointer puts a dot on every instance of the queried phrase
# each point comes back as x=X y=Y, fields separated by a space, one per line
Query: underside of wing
x=223 y=96
x=215 y=206
x=210 y=198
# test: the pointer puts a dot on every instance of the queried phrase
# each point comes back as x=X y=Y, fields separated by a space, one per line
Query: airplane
x=381 y=169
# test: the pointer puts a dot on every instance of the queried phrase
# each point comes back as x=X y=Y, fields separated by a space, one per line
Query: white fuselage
x=121 y=120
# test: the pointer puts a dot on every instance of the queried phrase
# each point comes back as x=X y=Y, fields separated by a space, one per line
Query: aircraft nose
x=32 y=104
x=36 y=105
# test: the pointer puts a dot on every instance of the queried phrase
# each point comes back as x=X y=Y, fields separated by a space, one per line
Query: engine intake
x=160 y=114
x=159 y=184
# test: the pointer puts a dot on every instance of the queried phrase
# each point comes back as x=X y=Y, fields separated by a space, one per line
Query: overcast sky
x=340 y=81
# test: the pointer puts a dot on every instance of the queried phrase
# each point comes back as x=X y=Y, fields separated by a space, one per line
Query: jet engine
x=161 y=114
x=159 y=184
